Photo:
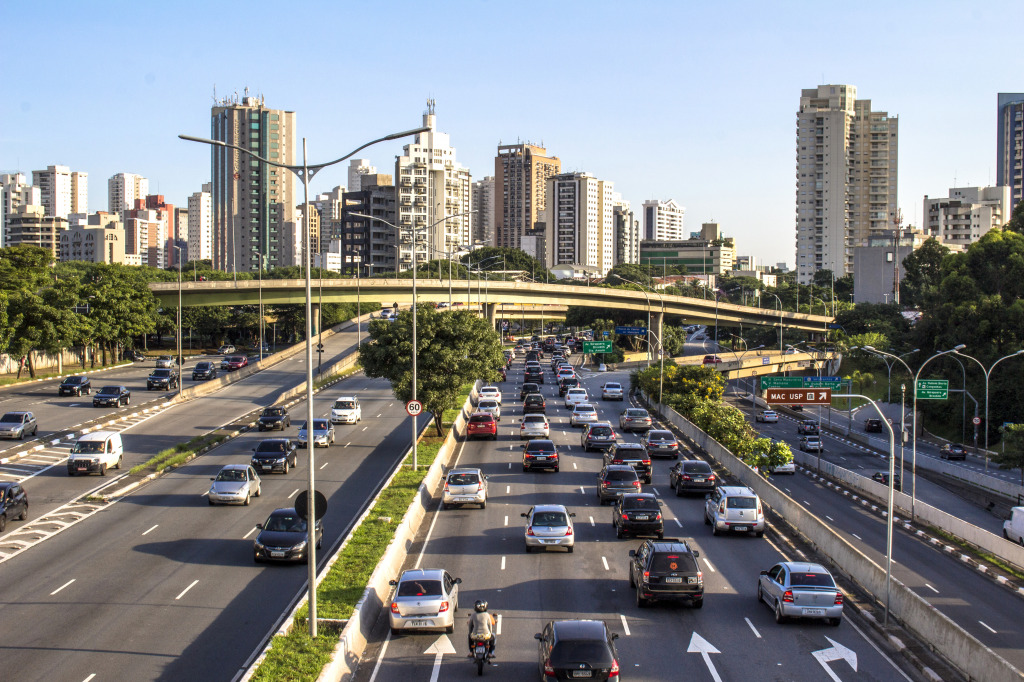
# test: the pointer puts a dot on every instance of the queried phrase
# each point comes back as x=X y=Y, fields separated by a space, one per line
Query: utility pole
x=897 y=233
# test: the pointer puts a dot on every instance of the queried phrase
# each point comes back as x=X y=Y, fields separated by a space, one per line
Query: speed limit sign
x=976 y=421
x=414 y=408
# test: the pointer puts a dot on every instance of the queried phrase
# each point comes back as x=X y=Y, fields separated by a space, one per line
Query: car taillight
x=529 y=530
x=646 y=462
x=647 y=574
x=568 y=531
x=613 y=435
x=636 y=484
x=686 y=477
x=625 y=518
x=446 y=488
x=759 y=512
x=479 y=487
x=787 y=596
x=394 y=607
x=444 y=607
x=616 y=461
x=721 y=508
x=523 y=426
x=604 y=484
x=658 y=517
x=711 y=477
x=614 y=672
x=839 y=599
x=548 y=670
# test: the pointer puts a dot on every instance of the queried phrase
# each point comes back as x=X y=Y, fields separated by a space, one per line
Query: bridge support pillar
x=491 y=311
x=315 y=318
x=658 y=320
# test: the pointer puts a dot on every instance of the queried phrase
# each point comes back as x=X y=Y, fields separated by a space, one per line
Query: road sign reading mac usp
x=414 y=408
x=799 y=396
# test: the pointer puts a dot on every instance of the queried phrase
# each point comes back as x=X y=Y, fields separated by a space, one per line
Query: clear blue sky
x=684 y=100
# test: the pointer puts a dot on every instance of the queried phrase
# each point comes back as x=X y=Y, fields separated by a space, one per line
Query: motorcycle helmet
x=480 y=606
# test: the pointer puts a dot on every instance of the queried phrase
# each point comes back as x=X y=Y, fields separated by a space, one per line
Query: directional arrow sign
x=699 y=645
x=442 y=645
x=837 y=652
x=803 y=396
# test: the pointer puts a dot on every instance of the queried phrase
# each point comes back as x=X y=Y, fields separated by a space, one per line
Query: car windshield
x=236 y=358
x=488 y=404
x=273 y=412
x=72 y=381
x=811 y=580
x=593 y=651
x=162 y=373
x=540 y=446
x=742 y=503
x=620 y=475
x=549 y=518
x=203 y=366
x=697 y=467
x=534 y=419
x=675 y=561
x=272 y=446
x=583 y=407
x=419 y=588
x=660 y=435
x=612 y=387
x=318 y=425
x=480 y=418
x=463 y=479
x=11 y=418
x=231 y=475
x=636 y=413
x=640 y=503
x=345 y=405
x=110 y=389
x=601 y=431
x=166 y=357
x=88 y=446
x=285 y=523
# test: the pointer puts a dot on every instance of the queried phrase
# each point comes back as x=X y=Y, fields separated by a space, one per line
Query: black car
x=540 y=454
x=953 y=451
x=162 y=380
x=203 y=371
x=13 y=503
x=638 y=514
x=273 y=418
x=873 y=425
x=615 y=480
x=807 y=427
x=883 y=478
x=76 y=386
x=666 y=570
x=528 y=388
x=283 y=537
x=274 y=454
x=502 y=373
x=660 y=443
x=577 y=649
x=532 y=356
x=565 y=384
x=534 y=404
x=692 y=476
x=631 y=454
x=534 y=375
x=112 y=395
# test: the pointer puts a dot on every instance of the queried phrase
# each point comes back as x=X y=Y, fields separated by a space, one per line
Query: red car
x=482 y=425
x=712 y=359
x=233 y=362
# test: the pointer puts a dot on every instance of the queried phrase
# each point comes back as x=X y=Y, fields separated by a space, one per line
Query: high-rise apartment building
x=432 y=186
x=253 y=203
x=521 y=173
x=15 y=192
x=483 y=207
x=627 y=232
x=149 y=231
x=368 y=247
x=1010 y=145
x=122 y=191
x=966 y=215
x=200 y=224
x=62 y=190
x=97 y=238
x=847 y=167
x=32 y=225
x=357 y=168
x=579 y=222
x=328 y=207
x=663 y=220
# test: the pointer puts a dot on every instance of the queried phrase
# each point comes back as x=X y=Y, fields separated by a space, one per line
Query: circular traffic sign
x=890 y=421
x=414 y=408
x=976 y=421
x=319 y=504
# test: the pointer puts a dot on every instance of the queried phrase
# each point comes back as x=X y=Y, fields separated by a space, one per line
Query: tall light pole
x=780 y=317
x=648 y=299
x=305 y=173
x=661 y=345
x=988 y=373
x=178 y=249
x=739 y=360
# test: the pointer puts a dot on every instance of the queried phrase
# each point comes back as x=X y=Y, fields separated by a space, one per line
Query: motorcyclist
x=482 y=625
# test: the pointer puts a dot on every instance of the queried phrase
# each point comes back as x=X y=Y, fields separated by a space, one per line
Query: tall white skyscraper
x=663 y=220
x=62 y=190
x=357 y=168
x=15 y=192
x=123 y=190
x=579 y=222
x=200 y=224
x=483 y=205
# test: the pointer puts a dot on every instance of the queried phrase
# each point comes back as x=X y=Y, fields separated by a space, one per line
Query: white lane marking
x=678 y=522
x=503 y=563
x=875 y=647
x=510 y=465
x=508 y=489
x=62 y=587
x=497 y=627
x=152 y=529
x=829 y=517
x=89 y=678
x=582 y=490
x=574 y=465
x=348 y=443
x=506 y=519
x=857 y=536
x=365 y=427
x=605 y=562
x=806 y=503
x=391 y=404
x=378 y=416
x=246 y=536
x=710 y=567
x=194 y=583
x=987 y=627
x=625 y=625
x=931 y=588
x=592 y=521
x=756 y=633
x=380 y=656
x=293 y=493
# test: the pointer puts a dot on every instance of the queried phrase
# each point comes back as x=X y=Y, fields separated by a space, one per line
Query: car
x=96 y=452
x=13 y=503
x=575 y=395
x=540 y=454
x=712 y=360
x=564 y=373
x=767 y=416
x=637 y=514
x=502 y=373
x=616 y=479
x=953 y=451
x=692 y=476
x=226 y=349
x=660 y=443
x=883 y=478
x=797 y=589
x=666 y=570
x=635 y=419
x=464 y=486
x=796 y=408
x=548 y=525
x=527 y=388
x=785 y=468
x=535 y=404
x=873 y=425
x=812 y=444
x=565 y=384
x=734 y=509
x=274 y=454
x=482 y=425
x=273 y=418
x=611 y=391
x=18 y=425
x=284 y=536
x=632 y=454
x=165 y=362
x=532 y=356
x=203 y=371
x=582 y=413
x=112 y=396
x=424 y=599
x=76 y=386
x=491 y=392
x=807 y=426
x=234 y=484
x=234 y=362
x=534 y=374
x=323 y=433
x=597 y=436
x=346 y=410
x=534 y=426
x=574 y=649
x=162 y=380
x=490 y=406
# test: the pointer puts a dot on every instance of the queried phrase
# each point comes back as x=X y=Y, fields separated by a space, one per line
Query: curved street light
x=988 y=373
x=780 y=317
x=661 y=345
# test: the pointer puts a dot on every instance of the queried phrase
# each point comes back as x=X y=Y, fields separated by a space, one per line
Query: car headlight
x=280 y=460
x=299 y=547
x=257 y=544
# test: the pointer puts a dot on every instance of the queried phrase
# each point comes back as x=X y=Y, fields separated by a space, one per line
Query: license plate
x=81 y=468
x=541 y=457
x=420 y=623
x=582 y=673
x=640 y=517
x=698 y=480
x=464 y=499
x=673 y=579
x=740 y=528
x=277 y=555
x=267 y=466
x=813 y=612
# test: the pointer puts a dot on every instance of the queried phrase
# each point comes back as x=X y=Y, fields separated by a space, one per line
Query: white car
x=490 y=406
x=611 y=391
x=575 y=395
x=582 y=413
x=492 y=392
x=549 y=525
x=787 y=468
x=234 y=484
x=768 y=416
x=346 y=410
x=534 y=426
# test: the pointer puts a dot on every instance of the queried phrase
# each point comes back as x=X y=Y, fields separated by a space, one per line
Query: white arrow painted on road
x=837 y=652
x=699 y=645
x=441 y=646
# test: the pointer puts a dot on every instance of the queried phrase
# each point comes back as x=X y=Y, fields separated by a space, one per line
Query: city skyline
x=715 y=95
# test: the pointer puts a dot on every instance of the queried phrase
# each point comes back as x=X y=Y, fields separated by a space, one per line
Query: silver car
x=794 y=589
x=235 y=484
x=164 y=362
x=583 y=413
x=734 y=509
x=18 y=425
x=464 y=486
x=549 y=525
x=424 y=599
x=611 y=391
x=323 y=433
x=534 y=426
x=491 y=407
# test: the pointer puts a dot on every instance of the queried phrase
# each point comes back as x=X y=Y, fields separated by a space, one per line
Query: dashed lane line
x=62 y=587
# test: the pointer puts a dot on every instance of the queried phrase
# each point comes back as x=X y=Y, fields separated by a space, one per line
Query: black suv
x=692 y=475
x=532 y=355
x=615 y=480
x=567 y=383
x=75 y=386
x=666 y=570
x=535 y=404
x=528 y=388
x=953 y=451
x=274 y=454
x=162 y=379
x=807 y=427
x=573 y=649
x=630 y=454
x=274 y=418
x=883 y=478
x=638 y=514
x=13 y=503
x=660 y=443
x=534 y=375
x=540 y=454
x=873 y=425
x=204 y=370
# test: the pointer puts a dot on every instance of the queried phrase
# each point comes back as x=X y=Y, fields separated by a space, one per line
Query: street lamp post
x=739 y=360
x=178 y=362
x=305 y=173
x=648 y=299
x=988 y=373
x=780 y=317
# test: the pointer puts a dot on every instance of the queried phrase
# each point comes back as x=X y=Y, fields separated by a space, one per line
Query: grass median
x=178 y=455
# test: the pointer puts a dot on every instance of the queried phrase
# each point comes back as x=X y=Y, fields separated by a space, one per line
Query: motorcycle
x=480 y=658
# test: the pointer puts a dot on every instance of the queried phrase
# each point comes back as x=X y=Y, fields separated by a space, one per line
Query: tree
x=121 y=305
x=1016 y=223
x=922 y=274
x=1012 y=456
x=455 y=348
x=514 y=259
x=622 y=274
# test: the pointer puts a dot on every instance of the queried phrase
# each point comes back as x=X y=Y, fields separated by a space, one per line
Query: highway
x=485 y=548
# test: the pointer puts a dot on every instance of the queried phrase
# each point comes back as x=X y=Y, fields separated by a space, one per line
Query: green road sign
x=833 y=385
x=782 y=382
x=932 y=389
x=597 y=346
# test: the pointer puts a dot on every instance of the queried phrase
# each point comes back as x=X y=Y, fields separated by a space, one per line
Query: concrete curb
x=64 y=376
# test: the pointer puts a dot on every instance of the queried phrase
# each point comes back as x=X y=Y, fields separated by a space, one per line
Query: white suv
x=492 y=392
x=575 y=395
x=346 y=410
x=734 y=509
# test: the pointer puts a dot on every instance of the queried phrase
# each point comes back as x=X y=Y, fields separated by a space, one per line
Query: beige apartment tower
x=521 y=173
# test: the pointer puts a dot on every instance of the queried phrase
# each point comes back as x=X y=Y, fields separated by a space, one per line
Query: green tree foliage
x=514 y=259
x=922 y=274
x=622 y=274
x=1016 y=223
x=877 y=320
x=456 y=347
x=1011 y=455
x=120 y=305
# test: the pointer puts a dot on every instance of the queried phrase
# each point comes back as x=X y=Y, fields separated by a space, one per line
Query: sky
x=680 y=100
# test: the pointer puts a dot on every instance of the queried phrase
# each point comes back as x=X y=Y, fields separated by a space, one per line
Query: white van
x=1013 y=529
x=95 y=453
